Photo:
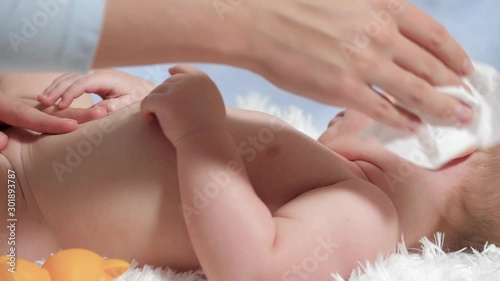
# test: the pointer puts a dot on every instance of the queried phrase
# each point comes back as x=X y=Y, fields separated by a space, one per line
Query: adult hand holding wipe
x=435 y=144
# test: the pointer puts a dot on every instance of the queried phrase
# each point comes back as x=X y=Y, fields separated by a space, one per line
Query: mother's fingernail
x=467 y=67
x=464 y=113
x=101 y=110
x=71 y=121
x=413 y=125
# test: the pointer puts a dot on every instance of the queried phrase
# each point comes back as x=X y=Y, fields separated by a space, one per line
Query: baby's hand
x=186 y=103
x=116 y=88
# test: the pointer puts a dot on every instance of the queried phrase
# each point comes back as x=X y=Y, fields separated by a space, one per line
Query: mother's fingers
x=18 y=114
x=431 y=35
x=414 y=92
x=364 y=99
x=423 y=64
x=81 y=115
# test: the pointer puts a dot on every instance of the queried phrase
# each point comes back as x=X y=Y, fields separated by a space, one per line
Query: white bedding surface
x=430 y=264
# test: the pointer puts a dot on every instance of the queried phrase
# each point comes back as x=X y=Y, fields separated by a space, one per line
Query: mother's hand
x=30 y=115
x=334 y=51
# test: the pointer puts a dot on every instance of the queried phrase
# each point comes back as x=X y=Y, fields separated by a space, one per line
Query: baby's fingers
x=185 y=69
x=56 y=90
x=100 y=85
x=149 y=105
x=56 y=82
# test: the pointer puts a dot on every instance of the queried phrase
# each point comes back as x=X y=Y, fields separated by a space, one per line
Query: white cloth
x=434 y=144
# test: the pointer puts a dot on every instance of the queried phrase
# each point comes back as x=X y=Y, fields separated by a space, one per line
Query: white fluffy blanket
x=430 y=263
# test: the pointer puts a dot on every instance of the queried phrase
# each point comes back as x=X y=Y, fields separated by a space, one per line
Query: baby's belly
x=31 y=237
x=108 y=188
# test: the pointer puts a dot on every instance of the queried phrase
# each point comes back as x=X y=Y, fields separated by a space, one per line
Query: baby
x=179 y=180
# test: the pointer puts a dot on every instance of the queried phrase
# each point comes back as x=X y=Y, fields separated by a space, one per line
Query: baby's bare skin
x=125 y=192
x=119 y=195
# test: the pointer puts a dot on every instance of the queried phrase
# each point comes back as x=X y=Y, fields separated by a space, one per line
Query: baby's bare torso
x=112 y=185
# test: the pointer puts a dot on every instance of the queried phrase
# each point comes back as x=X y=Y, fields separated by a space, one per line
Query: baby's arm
x=234 y=234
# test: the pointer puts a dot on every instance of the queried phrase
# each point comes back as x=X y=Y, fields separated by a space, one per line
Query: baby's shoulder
x=255 y=118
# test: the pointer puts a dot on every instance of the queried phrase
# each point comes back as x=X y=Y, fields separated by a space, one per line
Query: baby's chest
x=289 y=166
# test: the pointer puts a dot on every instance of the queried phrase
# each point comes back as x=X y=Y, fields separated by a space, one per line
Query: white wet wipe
x=435 y=144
